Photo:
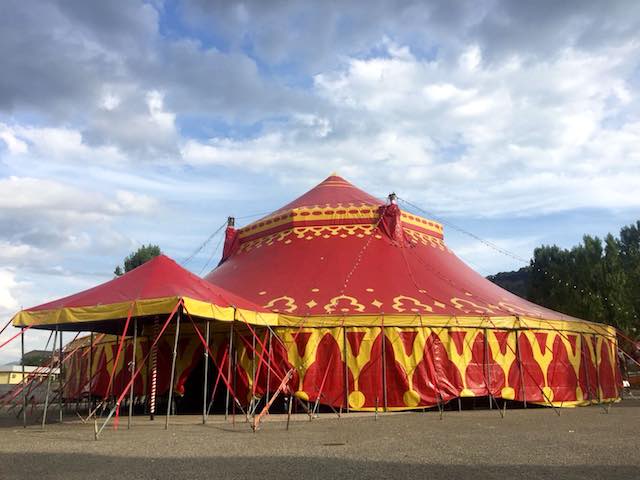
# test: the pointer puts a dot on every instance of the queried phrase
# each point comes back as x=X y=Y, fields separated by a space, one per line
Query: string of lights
x=520 y=259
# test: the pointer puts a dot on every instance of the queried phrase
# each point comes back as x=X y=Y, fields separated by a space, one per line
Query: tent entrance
x=191 y=402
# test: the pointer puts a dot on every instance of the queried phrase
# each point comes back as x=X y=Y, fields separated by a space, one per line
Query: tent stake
x=60 y=378
x=206 y=374
x=24 y=381
x=133 y=370
x=173 y=367
x=289 y=410
x=49 y=376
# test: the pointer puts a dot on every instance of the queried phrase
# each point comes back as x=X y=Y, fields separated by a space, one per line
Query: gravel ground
x=533 y=443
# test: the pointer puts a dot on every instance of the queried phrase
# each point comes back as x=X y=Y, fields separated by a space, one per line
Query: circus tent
x=132 y=313
x=338 y=299
x=375 y=309
x=154 y=288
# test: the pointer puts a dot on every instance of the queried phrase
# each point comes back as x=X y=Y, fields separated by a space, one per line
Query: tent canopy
x=338 y=256
x=154 y=288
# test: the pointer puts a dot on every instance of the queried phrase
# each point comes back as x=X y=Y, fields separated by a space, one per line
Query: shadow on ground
x=79 y=466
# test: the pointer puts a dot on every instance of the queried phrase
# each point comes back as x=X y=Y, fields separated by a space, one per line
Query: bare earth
x=533 y=443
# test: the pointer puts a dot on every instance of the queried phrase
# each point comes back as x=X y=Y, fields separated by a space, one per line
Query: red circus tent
x=375 y=308
x=153 y=288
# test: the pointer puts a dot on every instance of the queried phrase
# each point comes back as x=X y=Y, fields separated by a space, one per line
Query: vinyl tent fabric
x=370 y=309
x=152 y=289
x=372 y=295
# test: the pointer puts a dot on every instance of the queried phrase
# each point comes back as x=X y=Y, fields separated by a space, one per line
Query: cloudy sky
x=128 y=122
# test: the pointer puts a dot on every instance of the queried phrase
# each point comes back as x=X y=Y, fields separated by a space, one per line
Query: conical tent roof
x=337 y=255
x=151 y=289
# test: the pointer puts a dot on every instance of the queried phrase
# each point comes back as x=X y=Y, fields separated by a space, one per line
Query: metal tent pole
x=173 y=367
x=60 y=378
x=91 y=373
x=253 y=371
x=233 y=385
x=24 y=381
x=268 y=368
x=154 y=370
x=384 y=369
x=206 y=374
x=133 y=370
x=522 y=384
x=595 y=347
x=49 y=376
x=487 y=370
x=229 y=359
x=586 y=367
x=346 y=368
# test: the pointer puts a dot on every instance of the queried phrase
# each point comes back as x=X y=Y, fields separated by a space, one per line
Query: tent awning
x=152 y=289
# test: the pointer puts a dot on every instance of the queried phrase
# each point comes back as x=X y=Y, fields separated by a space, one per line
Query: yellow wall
x=14 y=378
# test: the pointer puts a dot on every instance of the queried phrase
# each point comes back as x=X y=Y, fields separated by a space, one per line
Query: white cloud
x=115 y=131
x=53 y=144
x=7 y=285
x=514 y=138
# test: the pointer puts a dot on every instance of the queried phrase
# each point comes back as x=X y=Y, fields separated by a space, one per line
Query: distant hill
x=515 y=282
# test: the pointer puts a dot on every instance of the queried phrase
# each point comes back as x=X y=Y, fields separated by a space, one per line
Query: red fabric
x=160 y=277
x=391 y=225
x=318 y=266
x=325 y=194
x=295 y=269
x=231 y=243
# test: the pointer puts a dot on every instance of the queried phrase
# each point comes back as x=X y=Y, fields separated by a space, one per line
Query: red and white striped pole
x=154 y=372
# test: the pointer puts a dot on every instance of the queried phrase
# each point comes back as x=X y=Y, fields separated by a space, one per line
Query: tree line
x=597 y=280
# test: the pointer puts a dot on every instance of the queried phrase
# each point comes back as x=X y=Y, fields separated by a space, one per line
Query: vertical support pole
x=24 y=381
x=253 y=367
x=154 y=371
x=346 y=368
x=586 y=368
x=60 y=377
x=597 y=369
x=173 y=367
x=384 y=369
x=49 y=377
x=206 y=373
x=521 y=369
x=91 y=373
x=233 y=385
x=487 y=371
x=269 y=353
x=133 y=370
x=230 y=360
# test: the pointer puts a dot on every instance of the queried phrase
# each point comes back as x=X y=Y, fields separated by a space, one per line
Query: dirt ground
x=533 y=443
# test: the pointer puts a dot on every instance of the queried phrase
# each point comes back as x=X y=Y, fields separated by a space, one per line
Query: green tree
x=596 y=280
x=137 y=258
